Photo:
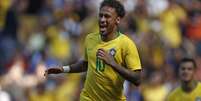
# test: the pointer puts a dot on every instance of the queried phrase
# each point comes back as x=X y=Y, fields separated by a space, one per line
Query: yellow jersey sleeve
x=132 y=59
x=85 y=49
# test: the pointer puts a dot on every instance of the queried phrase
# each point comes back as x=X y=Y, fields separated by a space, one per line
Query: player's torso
x=195 y=95
x=101 y=78
x=96 y=65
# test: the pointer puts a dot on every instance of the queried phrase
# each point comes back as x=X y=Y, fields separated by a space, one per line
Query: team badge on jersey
x=112 y=52
x=198 y=99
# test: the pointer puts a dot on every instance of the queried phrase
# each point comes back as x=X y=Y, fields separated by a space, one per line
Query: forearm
x=132 y=76
x=80 y=66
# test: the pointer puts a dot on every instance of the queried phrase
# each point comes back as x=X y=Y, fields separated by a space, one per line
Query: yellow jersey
x=179 y=95
x=102 y=82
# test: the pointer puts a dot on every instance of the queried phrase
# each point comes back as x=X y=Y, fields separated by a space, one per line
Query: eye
x=183 y=68
x=107 y=16
x=190 y=68
x=100 y=15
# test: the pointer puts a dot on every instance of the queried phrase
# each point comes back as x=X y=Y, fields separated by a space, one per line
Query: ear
x=118 y=20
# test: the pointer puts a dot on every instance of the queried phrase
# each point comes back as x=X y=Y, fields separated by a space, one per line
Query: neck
x=189 y=86
x=110 y=36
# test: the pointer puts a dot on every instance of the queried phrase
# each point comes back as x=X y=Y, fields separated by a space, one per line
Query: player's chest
x=196 y=96
x=113 y=49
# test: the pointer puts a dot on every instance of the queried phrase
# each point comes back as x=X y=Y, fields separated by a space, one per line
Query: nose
x=184 y=70
x=102 y=19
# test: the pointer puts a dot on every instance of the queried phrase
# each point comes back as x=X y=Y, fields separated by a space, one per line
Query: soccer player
x=190 y=89
x=110 y=58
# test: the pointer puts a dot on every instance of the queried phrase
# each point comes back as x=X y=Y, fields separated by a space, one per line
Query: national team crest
x=112 y=52
x=198 y=99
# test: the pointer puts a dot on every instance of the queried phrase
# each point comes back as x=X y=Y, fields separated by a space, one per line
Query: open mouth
x=103 y=28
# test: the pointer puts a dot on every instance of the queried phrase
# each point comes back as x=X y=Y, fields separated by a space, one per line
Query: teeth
x=103 y=29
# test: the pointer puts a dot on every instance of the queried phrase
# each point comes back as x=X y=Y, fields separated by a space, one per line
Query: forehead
x=107 y=9
x=187 y=65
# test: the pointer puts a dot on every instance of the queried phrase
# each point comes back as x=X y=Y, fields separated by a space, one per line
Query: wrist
x=66 y=69
x=113 y=64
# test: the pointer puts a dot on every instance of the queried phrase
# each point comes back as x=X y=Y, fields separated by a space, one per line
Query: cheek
x=181 y=75
x=186 y=74
x=191 y=73
x=111 y=21
x=111 y=24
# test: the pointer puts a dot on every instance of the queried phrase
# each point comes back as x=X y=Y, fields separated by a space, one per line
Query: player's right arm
x=79 y=66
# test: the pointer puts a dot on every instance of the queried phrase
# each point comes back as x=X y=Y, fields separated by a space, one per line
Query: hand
x=53 y=71
x=107 y=58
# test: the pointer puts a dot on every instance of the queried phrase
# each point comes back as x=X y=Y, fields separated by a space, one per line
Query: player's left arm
x=133 y=76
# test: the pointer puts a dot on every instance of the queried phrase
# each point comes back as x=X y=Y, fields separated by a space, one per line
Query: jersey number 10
x=100 y=66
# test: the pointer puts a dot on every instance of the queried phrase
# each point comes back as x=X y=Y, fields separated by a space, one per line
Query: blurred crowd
x=39 y=34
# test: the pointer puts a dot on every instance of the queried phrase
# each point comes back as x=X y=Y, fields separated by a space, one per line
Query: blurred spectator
x=4 y=96
x=8 y=33
x=35 y=34
x=189 y=89
x=154 y=89
x=170 y=24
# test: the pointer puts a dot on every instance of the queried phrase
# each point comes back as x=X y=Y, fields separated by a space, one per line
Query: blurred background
x=38 y=34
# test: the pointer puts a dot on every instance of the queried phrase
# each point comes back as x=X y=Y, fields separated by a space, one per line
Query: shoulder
x=199 y=85
x=126 y=38
x=174 y=93
x=91 y=38
x=92 y=35
x=126 y=41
